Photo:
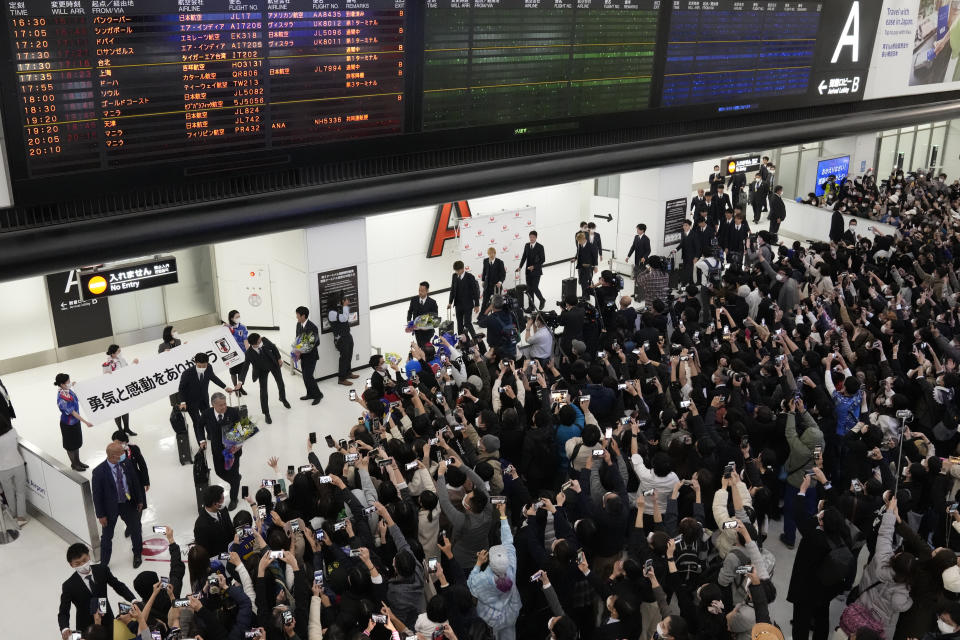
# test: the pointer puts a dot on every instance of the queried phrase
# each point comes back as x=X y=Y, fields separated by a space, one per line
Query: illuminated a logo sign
x=442 y=231
x=97 y=285
x=732 y=167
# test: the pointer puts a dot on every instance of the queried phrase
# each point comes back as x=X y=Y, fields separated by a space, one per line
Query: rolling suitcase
x=568 y=287
x=201 y=477
x=183 y=448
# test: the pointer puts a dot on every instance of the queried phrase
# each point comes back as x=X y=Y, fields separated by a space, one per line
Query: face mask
x=236 y=320
x=944 y=627
x=85 y=568
x=659 y=633
x=123 y=457
x=201 y=369
x=781 y=277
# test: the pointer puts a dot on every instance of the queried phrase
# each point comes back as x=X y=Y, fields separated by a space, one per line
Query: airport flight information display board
x=113 y=82
x=487 y=60
x=118 y=93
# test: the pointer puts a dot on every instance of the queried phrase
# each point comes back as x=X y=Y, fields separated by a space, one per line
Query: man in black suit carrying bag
x=758 y=196
x=640 y=249
x=194 y=397
x=264 y=359
x=493 y=275
x=586 y=261
x=216 y=420
x=117 y=493
x=533 y=257
x=421 y=304
x=464 y=298
x=84 y=589
x=308 y=360
x=213 y=529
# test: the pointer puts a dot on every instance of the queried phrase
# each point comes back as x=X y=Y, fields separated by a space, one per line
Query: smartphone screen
x=330 y=441
x=244 y=491
x=313 y=437
x=289 y=469
x=353 y=394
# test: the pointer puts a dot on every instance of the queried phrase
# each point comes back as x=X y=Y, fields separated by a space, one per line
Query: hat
x=475 y=382
x=490 y=443
x=578 y=347
x=951 y=579
x=765 y=631
x=499 y=561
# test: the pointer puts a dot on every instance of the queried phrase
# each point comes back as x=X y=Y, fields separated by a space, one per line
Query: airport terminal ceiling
x=115 y=107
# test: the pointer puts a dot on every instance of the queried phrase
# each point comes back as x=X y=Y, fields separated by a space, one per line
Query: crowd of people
x=617 y=479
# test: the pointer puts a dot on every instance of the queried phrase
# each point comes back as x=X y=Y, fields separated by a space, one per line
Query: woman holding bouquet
x=238 y=372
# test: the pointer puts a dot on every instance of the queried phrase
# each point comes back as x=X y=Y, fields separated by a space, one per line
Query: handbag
x=856 y=616
x=201 y=470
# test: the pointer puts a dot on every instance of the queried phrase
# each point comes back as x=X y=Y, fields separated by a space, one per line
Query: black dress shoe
x=542 y=303
x=232 y=505
x=77 y=468
x=137 y=561
x=84 y=467
x=130 y=432
x=305 y=397
x=266 y=418
x=316 y=400
x=285 y=403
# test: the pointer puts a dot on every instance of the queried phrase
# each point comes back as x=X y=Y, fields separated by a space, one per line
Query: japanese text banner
x=105 y=397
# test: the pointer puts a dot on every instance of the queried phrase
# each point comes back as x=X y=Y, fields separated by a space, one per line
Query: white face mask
x=944 y=627
x=201 y=369
x=236 y=320
x=85 y=569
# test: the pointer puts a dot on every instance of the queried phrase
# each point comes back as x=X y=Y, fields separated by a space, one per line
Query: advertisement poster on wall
x=917 y=49
x=506 y=232
x=333 y=286
x=76 y=320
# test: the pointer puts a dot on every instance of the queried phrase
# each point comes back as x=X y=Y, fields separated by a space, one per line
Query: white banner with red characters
x=107 y=396
x=506 y=232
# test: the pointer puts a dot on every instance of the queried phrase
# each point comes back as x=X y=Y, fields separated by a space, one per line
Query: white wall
x=643 y=196
x=335 y=246
x=26 y=317
x=951 y=151
x=285 y=254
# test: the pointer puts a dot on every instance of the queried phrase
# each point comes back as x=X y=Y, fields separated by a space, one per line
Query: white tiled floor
x=32 y=567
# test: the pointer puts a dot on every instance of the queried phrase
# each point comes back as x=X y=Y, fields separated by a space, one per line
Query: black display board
x=127 y=278
x=76 y=320
x=339 y=282
x=101 y=95
x=675 y=212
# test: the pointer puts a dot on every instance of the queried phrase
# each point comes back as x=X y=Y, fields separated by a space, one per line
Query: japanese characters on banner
x=105 y=397
x=506 y=232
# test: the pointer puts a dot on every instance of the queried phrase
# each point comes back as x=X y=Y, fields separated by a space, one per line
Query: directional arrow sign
x=822 y=87
x=607 y=217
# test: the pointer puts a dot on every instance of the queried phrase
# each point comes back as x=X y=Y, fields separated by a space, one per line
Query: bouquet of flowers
x=424 y=322
x=392 y=358
x=234 y=437
x=306 y=343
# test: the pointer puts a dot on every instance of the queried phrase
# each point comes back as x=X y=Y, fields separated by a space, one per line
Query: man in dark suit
x=778 y=210
x=737 y=238
x=216 y=420
x=721 y=203
x=264 y=359
x=726 y=223
x=83 y=588
x=715 y=179
x=594 y=238
x=836 y=226
x=698 y=202
x=308 y=360
x=534 y=257
x=117 y=493
x=587 y=264
x=420 y=304
x=493 y=275
x=688 y=252
x=640 y=249
x=737 y=183
x=194 y=396
x=758 y=196
x=213 y=529
x=464 y=298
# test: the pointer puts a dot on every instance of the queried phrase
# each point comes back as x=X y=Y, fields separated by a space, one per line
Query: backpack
x=838 y=568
